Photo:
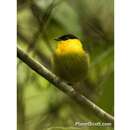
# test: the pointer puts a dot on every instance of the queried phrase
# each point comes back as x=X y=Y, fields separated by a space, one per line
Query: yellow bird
x=70 y=60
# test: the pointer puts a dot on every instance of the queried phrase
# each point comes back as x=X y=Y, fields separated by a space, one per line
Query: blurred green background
x=40 y=105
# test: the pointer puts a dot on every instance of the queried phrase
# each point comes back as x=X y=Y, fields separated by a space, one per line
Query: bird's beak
x=57 y=39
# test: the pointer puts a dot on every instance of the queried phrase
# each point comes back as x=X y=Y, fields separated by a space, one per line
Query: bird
x=70 y=60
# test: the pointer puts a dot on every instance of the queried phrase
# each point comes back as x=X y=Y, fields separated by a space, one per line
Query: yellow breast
x=69 y=46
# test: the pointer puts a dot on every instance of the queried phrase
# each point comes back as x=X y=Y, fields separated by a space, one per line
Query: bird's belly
x=71 y=67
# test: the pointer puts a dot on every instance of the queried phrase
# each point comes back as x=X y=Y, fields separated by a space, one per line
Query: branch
x=45 y=73
x=40 y=55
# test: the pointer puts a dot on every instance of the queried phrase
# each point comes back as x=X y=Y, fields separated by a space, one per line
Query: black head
x=66 y=37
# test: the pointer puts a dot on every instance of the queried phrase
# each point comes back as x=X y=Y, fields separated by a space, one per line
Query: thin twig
x=40 y=55
x=43 y=20
x=52 y=78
